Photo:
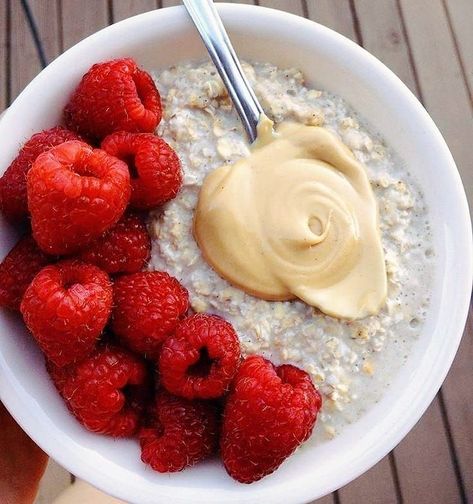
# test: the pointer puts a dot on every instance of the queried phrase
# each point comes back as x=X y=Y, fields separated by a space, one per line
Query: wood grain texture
x=45 y=13
x=122 y=9
x=328 y=499
x=170 y=3
x=333 y=14
x=442 y=86
x=374 y=487
x=24 y=60
x=55 y=481
x=460 y=13
x=25 y=63
x=424 y=464
x=459 y=405
x=382 y=34
x=293 y=6
x=4 y=77
x=79 y=22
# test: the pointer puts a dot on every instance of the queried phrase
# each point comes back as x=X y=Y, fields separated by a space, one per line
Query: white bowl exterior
x=162 y=38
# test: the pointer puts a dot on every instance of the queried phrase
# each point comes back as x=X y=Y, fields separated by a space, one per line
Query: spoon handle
x=211 y=29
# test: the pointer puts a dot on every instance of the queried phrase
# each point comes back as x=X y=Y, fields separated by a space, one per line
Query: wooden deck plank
x=24 y=60
x=170 y=3
x=334 y=15
x=79 y=22
x=383 y=36
x=122 y=9
x=460 y=13
x=459 y=405
x=25 y=63
x=441 y=80
x=328 y=499
x=292 y=6
x=45 y=13
x=55 y=481
x=374 y=487
x=4 y=80
x=426 y=473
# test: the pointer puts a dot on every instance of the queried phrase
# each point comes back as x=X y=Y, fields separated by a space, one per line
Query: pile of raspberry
x=121 y=344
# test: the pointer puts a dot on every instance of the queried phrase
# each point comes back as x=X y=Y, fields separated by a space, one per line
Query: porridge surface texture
x=351 y=362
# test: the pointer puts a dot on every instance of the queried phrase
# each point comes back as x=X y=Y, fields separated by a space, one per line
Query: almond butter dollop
x=295 y=219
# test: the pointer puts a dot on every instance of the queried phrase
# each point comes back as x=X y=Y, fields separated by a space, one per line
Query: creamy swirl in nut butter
x=297 y=218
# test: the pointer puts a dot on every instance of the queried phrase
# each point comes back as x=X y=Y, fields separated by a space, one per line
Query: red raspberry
x=148 y=307
x=201 y=358
x=112 y=96
x=106 y=392
x=66 y=308
x=125 y=248
x=270 y=411
x=18 y=269
x=13 y=201
x=75 y=193
x=181 y=433
x=158 y=170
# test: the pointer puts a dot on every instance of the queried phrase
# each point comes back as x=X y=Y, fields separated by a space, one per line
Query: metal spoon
x=207 y=21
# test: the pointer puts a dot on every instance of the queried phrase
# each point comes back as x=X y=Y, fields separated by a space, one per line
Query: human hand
x=22 y=463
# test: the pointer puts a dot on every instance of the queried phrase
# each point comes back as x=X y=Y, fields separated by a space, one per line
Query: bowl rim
x=303 y=493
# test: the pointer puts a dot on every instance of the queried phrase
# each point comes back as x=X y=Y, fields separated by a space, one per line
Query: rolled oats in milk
x=351 y=362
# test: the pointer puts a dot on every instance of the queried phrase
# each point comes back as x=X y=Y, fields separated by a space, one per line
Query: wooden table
x=429 y=45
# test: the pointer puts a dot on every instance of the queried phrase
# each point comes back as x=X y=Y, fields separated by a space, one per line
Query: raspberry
x=148 y=307
x=181 y=433
x=106 y=392
x=125 y=248
x=112 y=96
x=155 y=168
x=66 y=308
x=201 y=358
x=13 y=201
x=270 y=411
x=18 y=269
x=75 y=193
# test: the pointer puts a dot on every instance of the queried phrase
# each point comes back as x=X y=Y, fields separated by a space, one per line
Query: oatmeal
x=350 y=362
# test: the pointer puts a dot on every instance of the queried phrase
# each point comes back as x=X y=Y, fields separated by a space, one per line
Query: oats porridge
x=351 y=362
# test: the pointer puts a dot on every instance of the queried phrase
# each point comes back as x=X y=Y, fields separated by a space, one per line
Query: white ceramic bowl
x=165 y=37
